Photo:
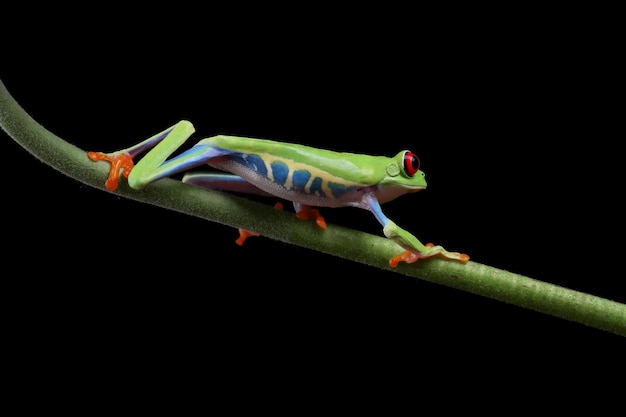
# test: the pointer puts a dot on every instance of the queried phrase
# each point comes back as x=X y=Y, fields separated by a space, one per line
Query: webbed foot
x=415 y=250
x=432 y=250
x=245 y=234
x=307 y=213
x=121 y=162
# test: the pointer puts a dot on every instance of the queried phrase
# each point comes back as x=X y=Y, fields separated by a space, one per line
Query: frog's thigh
x=223 y=182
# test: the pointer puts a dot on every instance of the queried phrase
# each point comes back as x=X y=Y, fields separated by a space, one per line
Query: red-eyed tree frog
x=307 y=176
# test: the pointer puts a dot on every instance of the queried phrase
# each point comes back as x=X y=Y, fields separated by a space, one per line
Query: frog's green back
x=342 y=167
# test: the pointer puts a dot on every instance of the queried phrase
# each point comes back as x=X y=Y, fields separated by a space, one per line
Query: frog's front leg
x=414 y=249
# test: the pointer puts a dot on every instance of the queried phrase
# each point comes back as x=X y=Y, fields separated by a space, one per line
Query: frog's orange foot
x=307 y=213
x=406 y=256
x=120 y=162
x=410 y=257
x=243 y=235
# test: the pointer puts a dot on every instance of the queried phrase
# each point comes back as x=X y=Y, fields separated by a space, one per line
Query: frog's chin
x=385 y=194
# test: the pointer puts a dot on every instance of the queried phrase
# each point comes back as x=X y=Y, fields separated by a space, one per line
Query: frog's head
x=402 y=176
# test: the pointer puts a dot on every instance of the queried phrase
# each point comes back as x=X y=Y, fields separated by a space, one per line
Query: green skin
x=301 y=174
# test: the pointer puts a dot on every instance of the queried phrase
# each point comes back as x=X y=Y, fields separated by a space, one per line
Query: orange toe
x=307 y=213
x=243 y=235
x=406 y=256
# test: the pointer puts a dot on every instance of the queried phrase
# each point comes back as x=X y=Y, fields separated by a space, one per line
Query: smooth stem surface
x=336 y=240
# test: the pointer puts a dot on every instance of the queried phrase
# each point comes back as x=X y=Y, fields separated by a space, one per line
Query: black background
x=509 y=120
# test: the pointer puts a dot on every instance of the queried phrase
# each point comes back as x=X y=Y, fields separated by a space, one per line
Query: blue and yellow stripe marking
x=296 y=176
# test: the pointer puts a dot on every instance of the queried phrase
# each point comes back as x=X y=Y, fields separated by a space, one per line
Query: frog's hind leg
x=230 y=183
x=122 y=161
x=222 y=182
x=154 y=164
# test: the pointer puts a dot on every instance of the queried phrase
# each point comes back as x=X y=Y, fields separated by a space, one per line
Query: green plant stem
x=347 y=243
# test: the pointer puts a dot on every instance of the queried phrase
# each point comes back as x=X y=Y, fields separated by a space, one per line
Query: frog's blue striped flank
x=300 y=179
x=254 y=162
x=280 y=170
x=316 y=187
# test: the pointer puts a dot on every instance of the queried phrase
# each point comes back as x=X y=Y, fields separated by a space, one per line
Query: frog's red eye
x=411 y=163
